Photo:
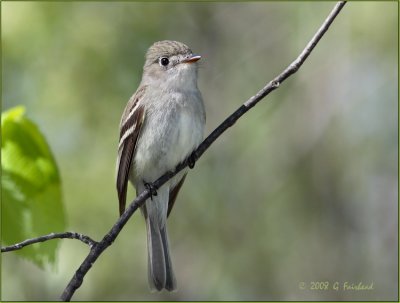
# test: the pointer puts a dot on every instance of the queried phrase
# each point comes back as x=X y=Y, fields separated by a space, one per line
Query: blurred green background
x=304 y=188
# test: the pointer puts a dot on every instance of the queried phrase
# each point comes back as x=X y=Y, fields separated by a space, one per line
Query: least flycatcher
x=161 y=125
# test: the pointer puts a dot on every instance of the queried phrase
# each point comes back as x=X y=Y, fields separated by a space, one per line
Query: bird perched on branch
x=161 y=125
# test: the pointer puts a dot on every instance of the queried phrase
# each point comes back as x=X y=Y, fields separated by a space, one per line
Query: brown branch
x=109 y=238
x=95 y=252
x=66 y=235
x=98 y=247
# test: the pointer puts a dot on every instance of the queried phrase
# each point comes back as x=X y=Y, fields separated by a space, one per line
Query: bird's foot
x=192 y=160
x=151 y=189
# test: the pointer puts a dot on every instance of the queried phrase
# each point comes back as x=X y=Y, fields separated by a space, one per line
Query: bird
x=161 y=125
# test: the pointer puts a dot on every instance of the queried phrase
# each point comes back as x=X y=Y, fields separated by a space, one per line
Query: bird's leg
x=192 y=160
x=151 y=189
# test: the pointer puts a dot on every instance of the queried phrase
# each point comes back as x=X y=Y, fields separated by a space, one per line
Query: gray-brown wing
x=131 y=123
x=173 y=193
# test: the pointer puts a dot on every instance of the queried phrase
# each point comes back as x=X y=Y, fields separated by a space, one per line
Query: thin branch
x=109 y=238
x=66 y=235
x=98 y=247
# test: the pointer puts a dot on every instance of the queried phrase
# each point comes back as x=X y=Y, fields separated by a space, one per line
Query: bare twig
x=98 y=247
x=95 y=252
x=66 y=235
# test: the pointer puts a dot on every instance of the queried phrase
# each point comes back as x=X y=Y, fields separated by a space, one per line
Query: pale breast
x=169 y=134
x=187 y=137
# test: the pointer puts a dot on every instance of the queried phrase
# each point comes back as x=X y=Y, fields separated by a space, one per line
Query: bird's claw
x=191 y=160
x=151 y=189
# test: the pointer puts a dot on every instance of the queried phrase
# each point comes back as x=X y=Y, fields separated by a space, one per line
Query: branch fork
x=96 y=248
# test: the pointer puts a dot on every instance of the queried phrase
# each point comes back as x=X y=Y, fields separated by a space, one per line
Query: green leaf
x=31 y=188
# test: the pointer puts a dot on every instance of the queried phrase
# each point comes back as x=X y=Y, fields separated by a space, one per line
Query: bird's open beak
x=191 y=59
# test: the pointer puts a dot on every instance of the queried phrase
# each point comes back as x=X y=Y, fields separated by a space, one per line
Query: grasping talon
x=191 y=160
x=151 y=189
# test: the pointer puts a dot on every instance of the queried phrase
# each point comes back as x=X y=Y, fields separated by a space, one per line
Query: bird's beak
x=191 y=59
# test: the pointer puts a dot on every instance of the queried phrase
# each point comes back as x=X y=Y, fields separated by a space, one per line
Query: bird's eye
x=164 y=61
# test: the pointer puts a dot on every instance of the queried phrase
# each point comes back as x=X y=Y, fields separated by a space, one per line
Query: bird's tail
x=161 y=274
